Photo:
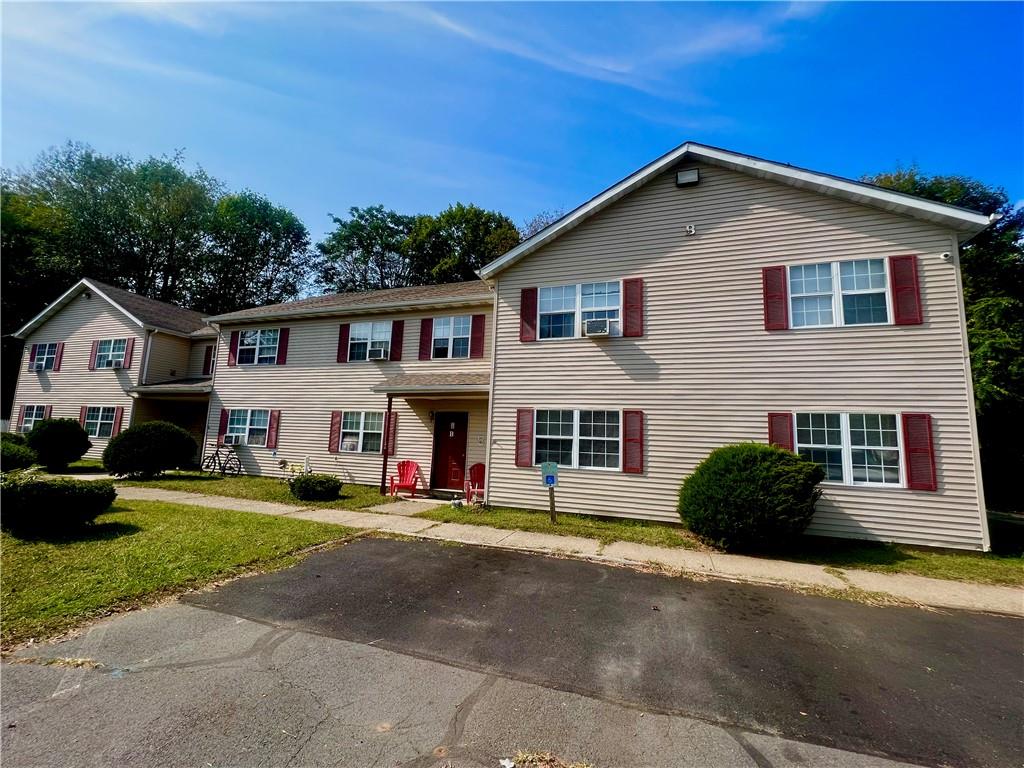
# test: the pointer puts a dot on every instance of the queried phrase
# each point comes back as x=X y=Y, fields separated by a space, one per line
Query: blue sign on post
x=549 y=471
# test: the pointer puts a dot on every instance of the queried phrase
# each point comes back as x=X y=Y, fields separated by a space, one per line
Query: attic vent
x=687 y=178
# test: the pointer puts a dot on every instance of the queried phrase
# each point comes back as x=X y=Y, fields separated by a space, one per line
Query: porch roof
x=178 y=387
x=436 y=383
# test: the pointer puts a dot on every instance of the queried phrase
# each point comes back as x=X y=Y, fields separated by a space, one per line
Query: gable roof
x=416 y=297
x=143 y=311
x=964 y=222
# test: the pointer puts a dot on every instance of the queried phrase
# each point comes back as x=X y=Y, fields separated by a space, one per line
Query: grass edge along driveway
x=136 y=552
x=953 y=565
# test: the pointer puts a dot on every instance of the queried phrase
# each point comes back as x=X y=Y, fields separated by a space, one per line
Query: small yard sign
x=549 y=472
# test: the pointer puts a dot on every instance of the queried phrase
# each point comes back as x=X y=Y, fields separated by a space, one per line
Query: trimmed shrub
x=314 y=487
x=58 y=442
x=14 y=453
x=34 y=504
x=750 y=497
x=148 y=449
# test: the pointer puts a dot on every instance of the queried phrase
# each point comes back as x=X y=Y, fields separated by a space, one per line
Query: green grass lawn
x=260 y=489
x=605 y=529
x=136 y=551
x=982 y=567
x=86 y=467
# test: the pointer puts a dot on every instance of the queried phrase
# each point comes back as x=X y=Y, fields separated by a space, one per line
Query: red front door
x=449 y=466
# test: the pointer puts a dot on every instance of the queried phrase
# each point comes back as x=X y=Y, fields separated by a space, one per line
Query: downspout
x=213 y=388
x=386 y=447
x=144 y=372
x=490 y=397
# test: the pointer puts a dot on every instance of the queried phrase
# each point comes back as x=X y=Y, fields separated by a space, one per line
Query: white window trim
x=25 y=419
x=576 y=438
x=451 y=338
x=578 y=311
x=369 y=341
x=847 y=449
x=49 y=361
x=111 y=358
x=362 y=431
x=837 y=297
x=257 y=347
x=100 y=420
x=249 y=425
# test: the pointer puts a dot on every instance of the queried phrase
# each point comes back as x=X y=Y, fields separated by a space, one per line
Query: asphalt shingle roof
x=468 y=291
x=152 y=312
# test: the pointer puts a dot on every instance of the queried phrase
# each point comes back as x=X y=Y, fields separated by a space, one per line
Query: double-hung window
x=563 y=309
x=364 y=337
x=571 y=438
x=362 y=431
x=601 y=301
x=251 y=424
x=46 y=356
x=99 y=421
x=839 y=293
x=30 y=415
x=852 y=448
x=258 y=347
x=110 y=353
x=451 y=336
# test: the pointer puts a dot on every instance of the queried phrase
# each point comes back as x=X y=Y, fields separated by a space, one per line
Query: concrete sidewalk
x=938 y=593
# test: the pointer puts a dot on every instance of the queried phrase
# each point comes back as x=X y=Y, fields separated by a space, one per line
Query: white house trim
x=964 y=222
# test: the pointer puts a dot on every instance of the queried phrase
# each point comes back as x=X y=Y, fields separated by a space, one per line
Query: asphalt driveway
x=390 y=652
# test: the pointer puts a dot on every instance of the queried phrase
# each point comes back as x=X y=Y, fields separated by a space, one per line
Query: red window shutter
x=47 y=411
x=223 y=428
x=343 y=343
x=81 y=414
x=906 y=292
x=92 y=356
x=118 y=416
x=275 y=421
x=528 y=314
x=919 y=452
x=60 y=356
x=282 y=346
x=21 y=419
x=780 y=430
x=476 y=336
x=390 y=433
x=524 y=437
x=233 y=349
x=426 y=337
x=633 y=444
x=397 y=338
x=129 y=348
x=776 y=313
x=633 y=307
x=32 y=355
x=334 y=438
x=208 y=361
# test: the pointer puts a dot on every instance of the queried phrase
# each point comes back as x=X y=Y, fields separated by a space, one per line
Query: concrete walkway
x=394 y=518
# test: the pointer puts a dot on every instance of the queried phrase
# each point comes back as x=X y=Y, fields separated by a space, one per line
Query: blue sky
x=516 y=107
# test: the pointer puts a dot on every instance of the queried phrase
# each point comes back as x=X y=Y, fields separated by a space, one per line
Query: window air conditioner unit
x=377 y=353
x=232 y=439
x=38 y=366
x=598 y=327
x=117 y=363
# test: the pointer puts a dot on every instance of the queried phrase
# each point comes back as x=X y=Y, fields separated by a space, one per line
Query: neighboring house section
x=93 y=354
x=342 y=380
x=742 y=307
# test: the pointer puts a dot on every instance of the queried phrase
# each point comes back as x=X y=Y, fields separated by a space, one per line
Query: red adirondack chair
x=475 y=484
x=406 y=479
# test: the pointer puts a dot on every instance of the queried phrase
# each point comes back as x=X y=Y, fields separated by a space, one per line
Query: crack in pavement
x=456 y=726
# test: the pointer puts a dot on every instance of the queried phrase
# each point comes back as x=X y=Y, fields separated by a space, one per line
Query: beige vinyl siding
x=168 y=357
x=78 y=325
x=313 y=384
x=706 y=373
x=196 y=355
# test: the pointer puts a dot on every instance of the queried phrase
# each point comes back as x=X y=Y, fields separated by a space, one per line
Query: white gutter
x=366 y=309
